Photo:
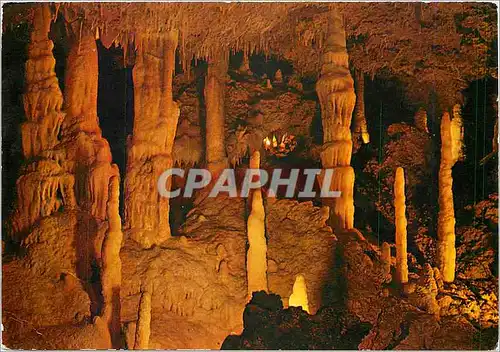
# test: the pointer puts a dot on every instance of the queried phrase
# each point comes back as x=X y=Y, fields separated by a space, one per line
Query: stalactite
x=151 y=146
x=43 y=98
x=215 y=83
x=111 y=276
x=457 y=134
x=335 y=89
x=400 y=221
x=360 y=129
x=298 y=298
x=257 y=245
x=143 y=330
x=446 y=216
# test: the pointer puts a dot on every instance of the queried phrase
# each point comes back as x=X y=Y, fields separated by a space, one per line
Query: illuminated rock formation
x=111 y=276
x=400 y=222
x=457 y=134
x=335 y=89
x=278 y=76
x=143 y=330
x=257 y=243
x=245 y=64
x=215 y=84
x=421 y=120
x=446 y=217
x=360 y=129
x=150 y=148
x=298 y=298
x=43 y=98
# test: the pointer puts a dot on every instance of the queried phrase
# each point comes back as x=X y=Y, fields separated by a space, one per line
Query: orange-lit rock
x=43 y=98
x=400 y=221
x=446 y=220
x=214 y=91
x=150 y=147
x=360 y=130
x=257 y=243
x=298 y=298
x=111 y=263
x=335 y=88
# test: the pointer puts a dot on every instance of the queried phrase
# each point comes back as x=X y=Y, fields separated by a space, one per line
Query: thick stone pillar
x=87 y=154
x=43 y=98
x=215 y=84
x=150 y=148
x=335 y=89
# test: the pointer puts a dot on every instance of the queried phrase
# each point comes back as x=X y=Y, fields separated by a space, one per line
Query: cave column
x=43 y=98
x=88 y=155
x=335 y=89
x=215 y=84
x=150 y=148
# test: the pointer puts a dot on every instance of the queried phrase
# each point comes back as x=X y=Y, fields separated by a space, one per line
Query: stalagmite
x=143 y=330
x=400 y=221
x=386 y=258
x=421 y=120
x=298 y=298
x=446 y=218
x=360 y=129
x=215 y=83
x=335 y=89
x=245 y=64
x=43 y=98
x=278 y=76
x=257 y=245
x=151 y=146
x=111 y=276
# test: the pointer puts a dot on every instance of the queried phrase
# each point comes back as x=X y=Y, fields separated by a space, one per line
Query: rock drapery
x=335 y=88
x=151 y=146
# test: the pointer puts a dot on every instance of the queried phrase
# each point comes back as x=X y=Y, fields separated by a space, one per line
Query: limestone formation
x=278 y=76
x=360 y=129
x=446 y=216
x=298 y=298
x=457 y=134
x=400 y=221
x=143 y=329
x=215 y=83
x=111 y=276
x=421 y=120
x=43 y=98
x=335 y=89
x=257 y=243
x=150 y=148
x=245 y=64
